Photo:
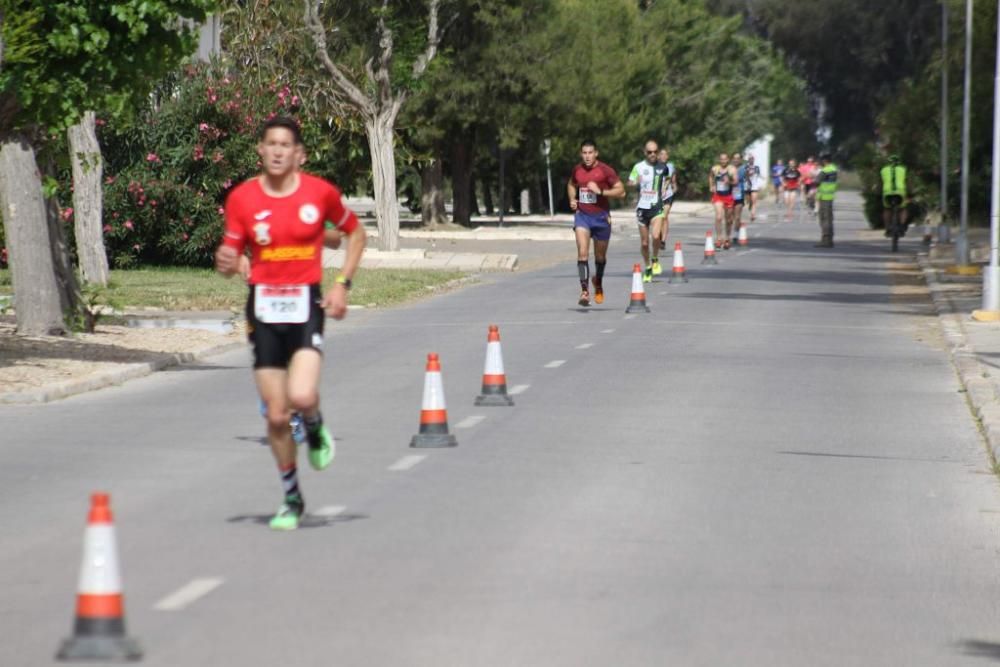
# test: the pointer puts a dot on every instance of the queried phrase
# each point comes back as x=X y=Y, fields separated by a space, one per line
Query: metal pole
x=547 y=147
x=942 y=230
x=500 y=153
x=991 y=279
x=962 y=247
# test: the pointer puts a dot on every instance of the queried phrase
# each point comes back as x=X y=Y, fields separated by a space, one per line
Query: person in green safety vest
x=894 y=193
x=826 y=179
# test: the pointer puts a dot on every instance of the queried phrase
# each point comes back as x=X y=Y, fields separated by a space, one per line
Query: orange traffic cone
x=433 y=415
x=637 y=304
x=678 y=275
x=99 y=629
x=494 y=379
x=709 y=250
x=744 y=241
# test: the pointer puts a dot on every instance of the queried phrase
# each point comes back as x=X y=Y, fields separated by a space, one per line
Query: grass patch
x=174 y=288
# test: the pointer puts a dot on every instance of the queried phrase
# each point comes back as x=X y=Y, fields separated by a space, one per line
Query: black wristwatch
x=343 y=280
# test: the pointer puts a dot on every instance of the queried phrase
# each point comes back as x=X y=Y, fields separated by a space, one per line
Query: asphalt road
x=774 y=467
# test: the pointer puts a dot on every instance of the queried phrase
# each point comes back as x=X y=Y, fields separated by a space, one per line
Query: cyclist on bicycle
x=894 y=194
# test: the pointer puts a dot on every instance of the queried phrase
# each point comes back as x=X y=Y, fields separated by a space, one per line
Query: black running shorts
x=274 y=344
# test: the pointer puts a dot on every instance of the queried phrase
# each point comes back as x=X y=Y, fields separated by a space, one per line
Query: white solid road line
x=518 y=389
x=608 y=331
x=187 y=594
x=555 y=364
x=630 y=317
x=470 y=421
x=584 y=346
x=407 y=462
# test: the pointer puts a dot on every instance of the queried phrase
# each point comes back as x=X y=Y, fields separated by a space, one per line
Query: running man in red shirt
x=280 y=217
x=590 y=185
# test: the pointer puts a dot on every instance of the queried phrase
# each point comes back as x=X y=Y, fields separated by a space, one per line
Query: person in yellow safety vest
x=894 y=193
x=826 y=178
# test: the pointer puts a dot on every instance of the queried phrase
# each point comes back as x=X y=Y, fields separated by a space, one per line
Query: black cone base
x=677 y=279
x=116 y=649
x=494 y=400
x=637 y=307
x=709 y=260
x=433 y=440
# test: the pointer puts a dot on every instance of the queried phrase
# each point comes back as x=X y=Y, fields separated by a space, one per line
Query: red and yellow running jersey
x=285 y=234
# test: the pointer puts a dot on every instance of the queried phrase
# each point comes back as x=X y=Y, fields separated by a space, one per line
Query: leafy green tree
x=80 y=55
x=852 y=53
x=375 y=58
x=909 y=123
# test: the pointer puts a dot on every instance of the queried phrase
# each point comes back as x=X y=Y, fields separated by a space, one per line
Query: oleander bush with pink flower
x=166 y=176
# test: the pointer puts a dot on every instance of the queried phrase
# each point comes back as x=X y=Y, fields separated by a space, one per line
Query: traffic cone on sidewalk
x=744 y=241
x=99 y=628
x=433 y=415
x=637 y=303
x=494 y=379
x=678 y=275
x=709 y=250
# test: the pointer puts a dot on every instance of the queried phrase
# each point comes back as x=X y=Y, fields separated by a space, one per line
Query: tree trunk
x=88 y=174
x=461 y=183
x=36 y=292
x=432 y=211
x=380 y=139
x=484 y=179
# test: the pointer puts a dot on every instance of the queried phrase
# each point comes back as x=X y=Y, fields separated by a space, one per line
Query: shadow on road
x=980 y=649
x=310 y=520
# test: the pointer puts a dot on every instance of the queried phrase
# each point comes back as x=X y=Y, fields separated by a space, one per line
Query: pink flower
x=217 y=157
x=203 y=126
x=152 y=202
x=185 y=236
x=66 y=213
x=109 y=180
x=227 y=184
x=153 y=157
x=295 y=100
x=136 y=247
x=129 y=225
x=107 y=229
x=221 y=210
x=115 y=215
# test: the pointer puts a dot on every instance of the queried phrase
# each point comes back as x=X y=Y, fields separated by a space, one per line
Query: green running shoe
x=321 y=448
x=289 y=514
x=647 y=275
x=657 y=269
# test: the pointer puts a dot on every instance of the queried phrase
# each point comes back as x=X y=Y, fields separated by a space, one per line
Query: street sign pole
x=991 y=278
x=547 y=148
x=962 y=247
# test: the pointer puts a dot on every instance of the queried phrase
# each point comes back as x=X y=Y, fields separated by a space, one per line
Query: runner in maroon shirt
x=590 y=185
x=280 y=217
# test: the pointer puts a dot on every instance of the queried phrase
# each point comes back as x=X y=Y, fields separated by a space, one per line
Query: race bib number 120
x=284 y=304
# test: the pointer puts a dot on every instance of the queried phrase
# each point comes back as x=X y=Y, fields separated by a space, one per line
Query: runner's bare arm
x=616 y=191
x=335 y=301
x=571 y=193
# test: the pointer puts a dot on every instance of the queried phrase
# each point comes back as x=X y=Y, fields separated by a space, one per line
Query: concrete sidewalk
x=974 y=346
x=516 y=228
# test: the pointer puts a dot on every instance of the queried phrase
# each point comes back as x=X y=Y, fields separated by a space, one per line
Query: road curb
x=114 y=376
x=980 y=390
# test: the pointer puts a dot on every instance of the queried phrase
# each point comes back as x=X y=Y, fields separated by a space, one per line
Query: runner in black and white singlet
x=668 y=190
x=646 y=176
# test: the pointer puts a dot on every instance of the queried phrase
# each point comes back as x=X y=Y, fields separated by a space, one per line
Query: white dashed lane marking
x=328 y=511
x=469 y=422
x=608 y=331
x=188 y=593
x=518 y=389
x=584 y=346
x=407 y=462
x=555 y=364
